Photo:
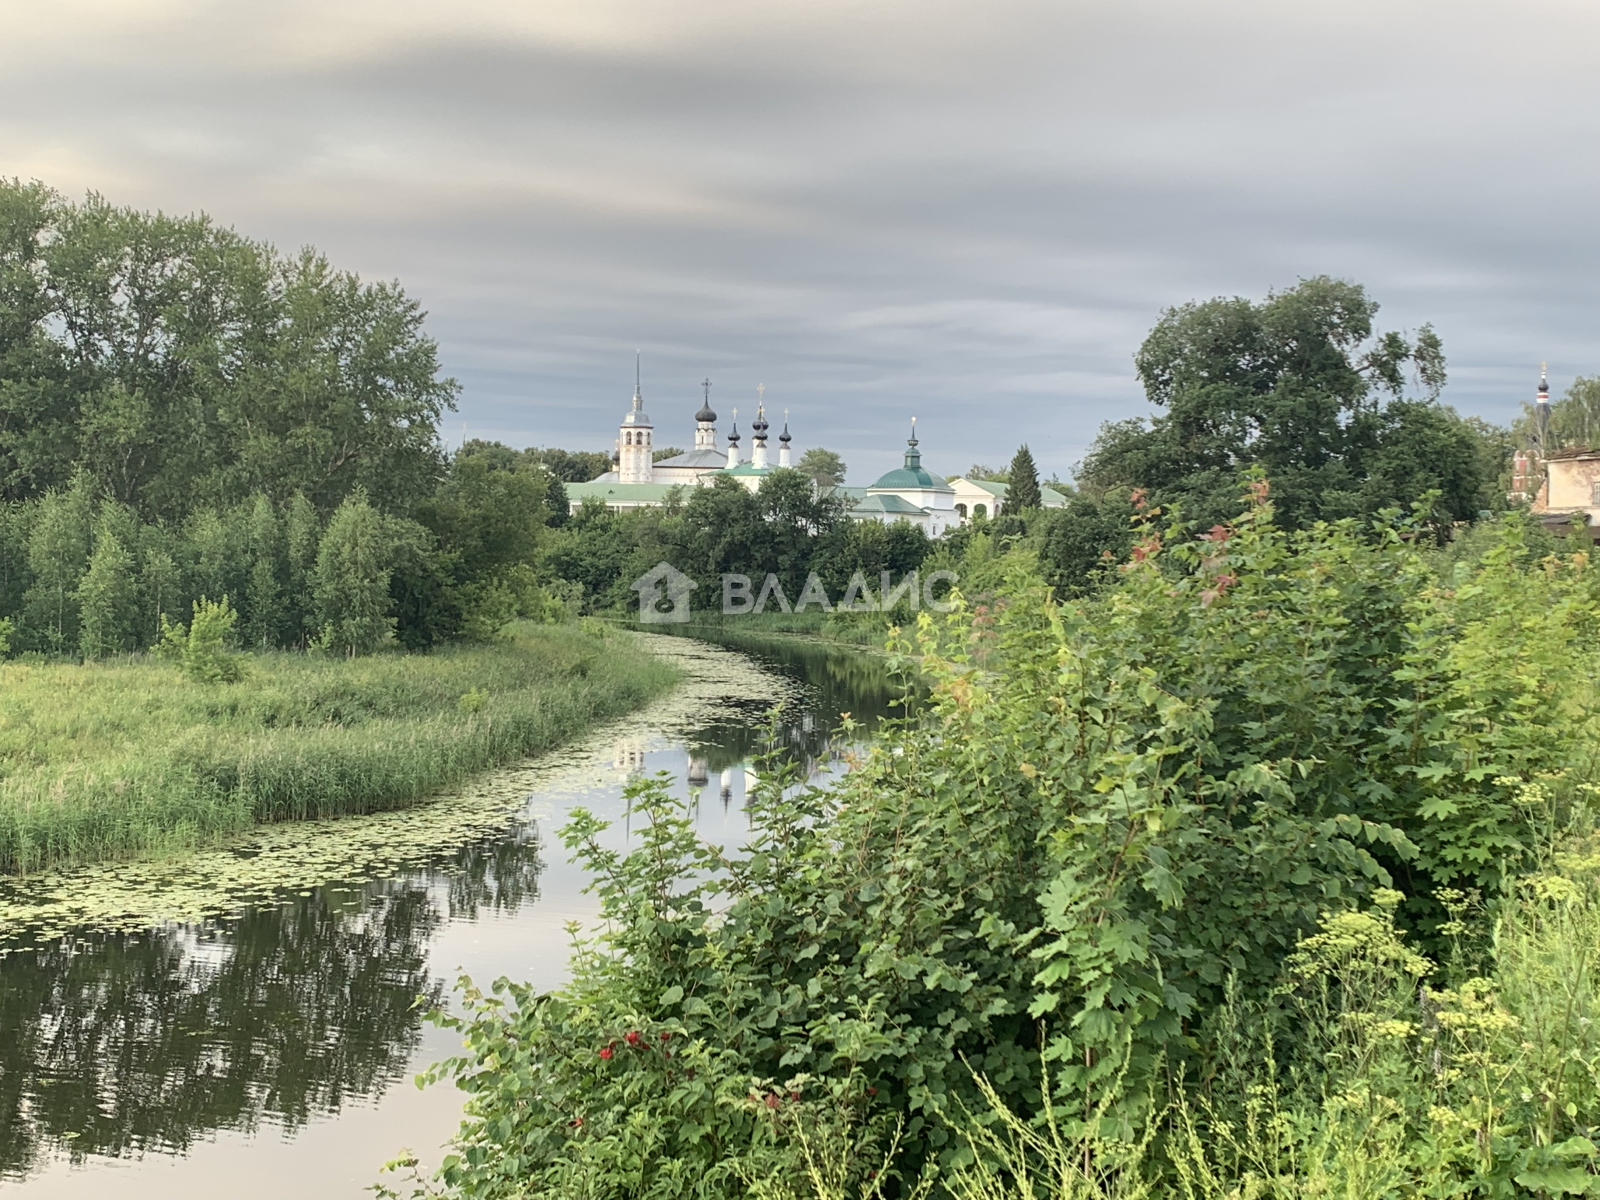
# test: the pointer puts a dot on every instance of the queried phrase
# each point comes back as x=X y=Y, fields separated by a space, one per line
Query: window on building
x=979 y=510
x=961 y=510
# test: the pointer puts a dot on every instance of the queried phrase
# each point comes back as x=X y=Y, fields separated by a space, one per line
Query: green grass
x=107 y=760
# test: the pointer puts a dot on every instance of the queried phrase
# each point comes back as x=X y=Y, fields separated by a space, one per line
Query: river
x=243 y=1021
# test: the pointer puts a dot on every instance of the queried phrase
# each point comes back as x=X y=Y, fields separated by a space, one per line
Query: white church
x=910 y=492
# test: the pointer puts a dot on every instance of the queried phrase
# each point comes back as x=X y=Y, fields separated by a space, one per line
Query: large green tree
x=180 y=365
x=1304 y=385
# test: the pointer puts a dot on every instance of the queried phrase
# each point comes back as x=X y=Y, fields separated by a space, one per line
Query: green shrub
x=202 y=650
x=1104 y=850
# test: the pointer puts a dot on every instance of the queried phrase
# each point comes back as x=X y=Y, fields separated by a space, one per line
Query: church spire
x=758 y=430
x=733 y=441
x=783 y=442
x=1541 y=407
x=913 y=455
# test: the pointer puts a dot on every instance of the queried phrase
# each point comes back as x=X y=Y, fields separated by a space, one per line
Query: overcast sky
x=968 y=212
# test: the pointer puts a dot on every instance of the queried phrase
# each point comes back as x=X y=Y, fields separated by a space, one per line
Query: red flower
x=772 y=1100
x=605 y=1051
x=666 y=1037
x=872 y=1091
x=794 y=1095
x=633 y=1037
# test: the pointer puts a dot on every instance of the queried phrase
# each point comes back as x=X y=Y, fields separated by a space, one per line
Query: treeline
x=82 y=574
x=187 y=413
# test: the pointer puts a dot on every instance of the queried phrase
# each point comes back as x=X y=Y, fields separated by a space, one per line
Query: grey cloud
x=966 y=212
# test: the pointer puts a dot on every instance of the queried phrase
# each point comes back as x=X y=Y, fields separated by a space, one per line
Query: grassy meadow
x=130 y=756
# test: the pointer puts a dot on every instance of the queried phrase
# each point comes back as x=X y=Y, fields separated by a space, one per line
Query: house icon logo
x=663 y=595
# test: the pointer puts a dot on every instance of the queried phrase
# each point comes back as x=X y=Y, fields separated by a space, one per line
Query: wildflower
x=772 y=1100
x=605 y=1051
x=872 y=1091
x=667 y=1036
x=794 y=1095
x=633 y=1037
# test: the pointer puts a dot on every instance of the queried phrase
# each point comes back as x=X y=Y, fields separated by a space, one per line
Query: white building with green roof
x=987 y=497
x=911 y=493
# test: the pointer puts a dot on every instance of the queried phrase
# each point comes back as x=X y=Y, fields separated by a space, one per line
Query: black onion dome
x=784 y=436
x=705 y=414
x=759 y=425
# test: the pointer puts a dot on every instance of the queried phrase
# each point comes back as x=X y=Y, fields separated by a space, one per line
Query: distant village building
x=909 y=493
x=1570 y=492
x=1564 y=484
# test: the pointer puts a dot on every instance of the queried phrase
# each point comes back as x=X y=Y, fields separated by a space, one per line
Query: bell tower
x=634 y=451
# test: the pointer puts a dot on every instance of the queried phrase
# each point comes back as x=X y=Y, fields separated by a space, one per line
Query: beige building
x=1570 y=493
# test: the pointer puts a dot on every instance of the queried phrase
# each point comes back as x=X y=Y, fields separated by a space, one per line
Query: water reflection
x=836 y=681
x=118 y=1045
x=121 y=1043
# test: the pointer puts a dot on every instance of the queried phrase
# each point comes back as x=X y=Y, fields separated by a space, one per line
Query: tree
x=570 y=466
x=1297 y=385
x=160 y=585
x=263 y=589
x=301 y=534
x=1023 y=493
x=183 y=365
x=352 y=579
x=662 y=452
x=985 y=474
x=1077 y=544
x=825 y=468
x=58 y=553
x=107 y=599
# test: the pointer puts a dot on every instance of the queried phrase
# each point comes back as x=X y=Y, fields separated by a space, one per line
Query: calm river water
x=243 y=1023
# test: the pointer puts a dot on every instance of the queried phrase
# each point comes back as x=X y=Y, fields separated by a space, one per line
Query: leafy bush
x=203 y=650
x=1125 y=825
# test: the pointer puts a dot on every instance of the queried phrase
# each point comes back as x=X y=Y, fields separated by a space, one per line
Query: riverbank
x=863 y=632
x=112 y=760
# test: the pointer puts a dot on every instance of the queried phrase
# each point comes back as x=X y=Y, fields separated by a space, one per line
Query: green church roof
x=911 y=476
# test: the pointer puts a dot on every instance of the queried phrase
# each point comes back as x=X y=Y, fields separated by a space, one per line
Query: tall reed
x=111 y=760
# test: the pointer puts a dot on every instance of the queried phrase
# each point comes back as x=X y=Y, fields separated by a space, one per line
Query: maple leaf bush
x=1214 y=883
